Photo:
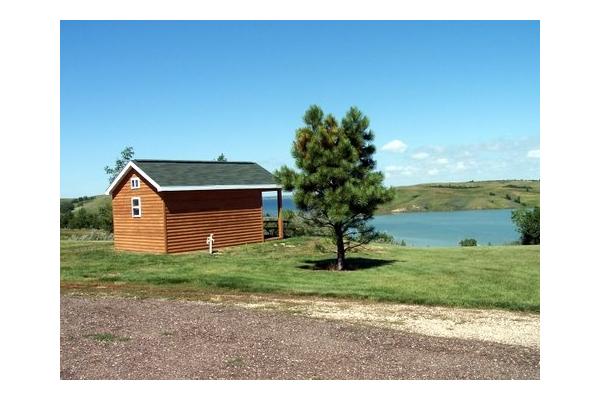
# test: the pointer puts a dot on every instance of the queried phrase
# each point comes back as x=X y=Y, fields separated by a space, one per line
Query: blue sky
x=448 y=101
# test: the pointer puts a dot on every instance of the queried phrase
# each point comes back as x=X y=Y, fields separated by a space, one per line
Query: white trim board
x=217 y=187
x=130 y=165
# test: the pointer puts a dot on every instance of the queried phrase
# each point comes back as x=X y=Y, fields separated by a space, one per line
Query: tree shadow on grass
x=352 y=264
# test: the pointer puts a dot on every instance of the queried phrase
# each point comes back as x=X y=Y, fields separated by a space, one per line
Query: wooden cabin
x=165 y=206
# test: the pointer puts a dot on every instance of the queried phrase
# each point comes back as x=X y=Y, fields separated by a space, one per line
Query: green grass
x=234 y=361
x=485 y=277
x=107 y=338
x=464 y=196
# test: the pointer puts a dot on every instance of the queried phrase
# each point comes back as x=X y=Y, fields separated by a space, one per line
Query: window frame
x=135 y=179
x=139 y=207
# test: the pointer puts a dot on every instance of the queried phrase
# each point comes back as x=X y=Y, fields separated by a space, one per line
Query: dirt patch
x=169 y=339
x=516 y=328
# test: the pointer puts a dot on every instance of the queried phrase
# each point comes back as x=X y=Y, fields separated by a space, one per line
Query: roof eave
x=219 y=187
x=131 y=165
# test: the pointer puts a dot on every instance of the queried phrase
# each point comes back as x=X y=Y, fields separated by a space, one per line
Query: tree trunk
x=341 y=252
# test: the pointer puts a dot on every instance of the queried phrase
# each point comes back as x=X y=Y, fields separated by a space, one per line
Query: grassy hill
x=94 y=203
x=464 y=196
x=90 y=203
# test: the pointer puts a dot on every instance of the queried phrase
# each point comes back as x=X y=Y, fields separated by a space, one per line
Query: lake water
x=435 y=228
x=270 y=205
x=440 y=228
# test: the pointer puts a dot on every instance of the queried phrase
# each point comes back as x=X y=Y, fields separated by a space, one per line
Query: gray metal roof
x=168 y=173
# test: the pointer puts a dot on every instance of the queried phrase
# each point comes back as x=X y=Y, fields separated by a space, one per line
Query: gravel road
x=500 y=326
x=118 y=338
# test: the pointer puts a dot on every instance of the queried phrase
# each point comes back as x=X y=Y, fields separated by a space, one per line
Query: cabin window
x=136 y=207
x=135 y=183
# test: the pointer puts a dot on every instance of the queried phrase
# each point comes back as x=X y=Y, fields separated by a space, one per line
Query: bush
x=468 y=242
x=85 y=234
x=105 y=218
x=66 y=205
x=84 y=219
x=320 y=247
x=528 y=224
x=65 y=219
x=297 y=226
x=382 y=237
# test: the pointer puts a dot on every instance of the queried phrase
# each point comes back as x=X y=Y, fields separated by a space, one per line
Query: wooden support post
x=262 y=215
x=279 y=215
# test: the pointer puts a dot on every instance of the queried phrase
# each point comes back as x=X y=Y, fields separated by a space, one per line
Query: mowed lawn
x=484 y=277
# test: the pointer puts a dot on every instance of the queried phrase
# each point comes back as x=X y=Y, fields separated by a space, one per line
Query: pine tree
x=336 y=185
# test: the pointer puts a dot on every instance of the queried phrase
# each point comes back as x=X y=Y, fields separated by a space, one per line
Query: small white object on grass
x=209 y=242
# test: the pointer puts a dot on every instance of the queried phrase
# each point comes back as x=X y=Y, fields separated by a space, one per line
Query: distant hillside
x=90 y=203
x=86 y=212
x=464 y=196
x=426 y=197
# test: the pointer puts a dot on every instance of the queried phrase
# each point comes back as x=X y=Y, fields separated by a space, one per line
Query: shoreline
x=434 y=211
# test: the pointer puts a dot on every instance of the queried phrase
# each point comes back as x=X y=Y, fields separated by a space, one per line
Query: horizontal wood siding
x=233 y=217
x=146 y=233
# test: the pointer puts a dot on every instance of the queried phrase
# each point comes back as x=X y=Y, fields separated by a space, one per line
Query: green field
x=484 y=277
x=479 y=195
